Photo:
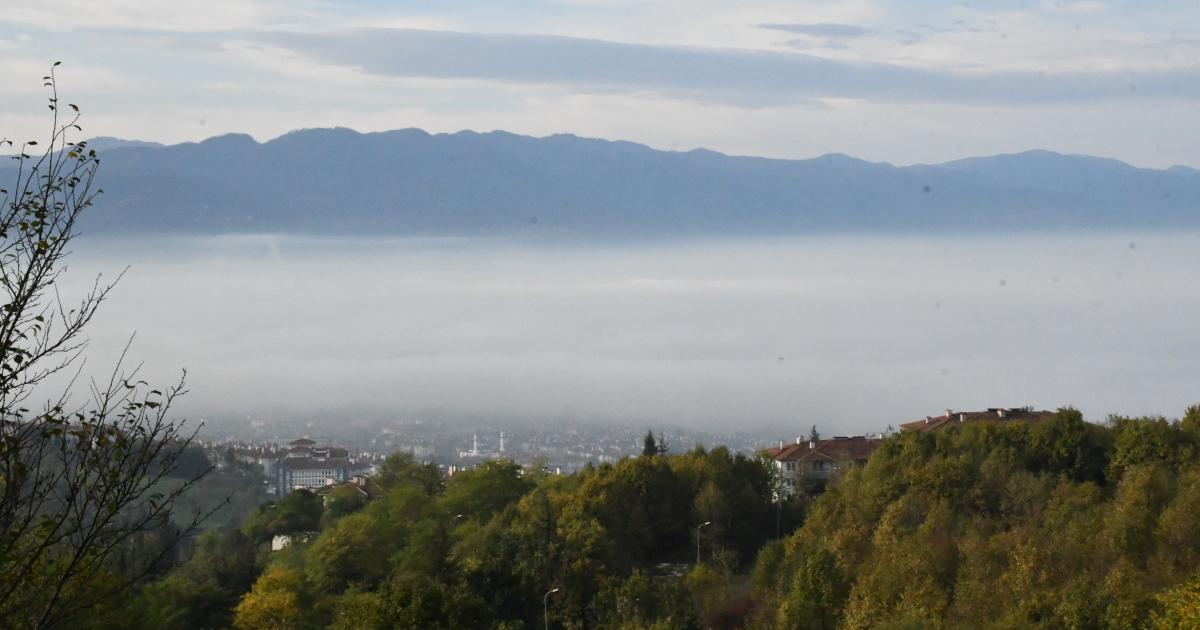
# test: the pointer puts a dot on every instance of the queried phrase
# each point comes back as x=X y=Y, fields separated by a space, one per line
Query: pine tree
x=649 y=446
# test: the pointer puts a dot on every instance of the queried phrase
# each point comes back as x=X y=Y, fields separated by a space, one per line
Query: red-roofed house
x=818 y=460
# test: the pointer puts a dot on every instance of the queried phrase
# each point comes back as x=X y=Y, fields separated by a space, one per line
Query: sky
x=904 y=82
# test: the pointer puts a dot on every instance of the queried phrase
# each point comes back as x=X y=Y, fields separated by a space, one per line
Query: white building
x=818 y=461
x=309 y=466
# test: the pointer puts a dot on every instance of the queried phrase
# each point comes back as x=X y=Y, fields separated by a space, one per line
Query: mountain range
x=409 y=182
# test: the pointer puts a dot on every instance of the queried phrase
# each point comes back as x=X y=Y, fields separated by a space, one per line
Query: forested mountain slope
x=1059 y=524
x=408 y=182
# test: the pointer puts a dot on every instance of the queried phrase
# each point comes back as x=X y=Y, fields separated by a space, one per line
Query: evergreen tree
x=649 y=446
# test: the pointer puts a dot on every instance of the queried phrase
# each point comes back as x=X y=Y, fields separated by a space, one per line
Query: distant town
x=349 y=455
x=283 y=449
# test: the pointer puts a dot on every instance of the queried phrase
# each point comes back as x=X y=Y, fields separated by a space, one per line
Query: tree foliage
x=297 y=513
x=649 y=445
x=482 y=548
x=82 y=503
x=1057 y=524
x=203 y=591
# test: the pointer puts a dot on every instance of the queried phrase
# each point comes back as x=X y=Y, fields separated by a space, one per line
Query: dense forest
x=1063 y=524
x=1058 y=524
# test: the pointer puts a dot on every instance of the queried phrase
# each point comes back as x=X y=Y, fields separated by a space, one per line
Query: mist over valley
x=851 y=333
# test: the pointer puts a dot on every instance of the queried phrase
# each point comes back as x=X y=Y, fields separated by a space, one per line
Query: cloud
x=212 y=15
x=908 y=37
x=836 y=31
x=743 y=77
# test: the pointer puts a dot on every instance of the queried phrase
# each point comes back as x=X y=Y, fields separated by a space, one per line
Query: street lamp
x=546 y=606
x=778 y=512
x=702 y=526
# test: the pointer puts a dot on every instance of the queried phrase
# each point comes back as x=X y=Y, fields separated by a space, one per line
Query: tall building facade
x=308 y=466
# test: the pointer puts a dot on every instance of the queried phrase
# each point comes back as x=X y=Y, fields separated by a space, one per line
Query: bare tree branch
x=82 y=486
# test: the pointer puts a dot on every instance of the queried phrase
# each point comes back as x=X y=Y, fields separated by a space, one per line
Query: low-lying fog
x=850 y=333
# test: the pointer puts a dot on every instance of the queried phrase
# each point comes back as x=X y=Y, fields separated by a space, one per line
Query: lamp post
x=702 y=526
x=778 y=512
x=546 y=606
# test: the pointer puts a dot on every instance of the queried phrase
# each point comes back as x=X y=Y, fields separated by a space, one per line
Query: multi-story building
x=807 y=465
x=308 y=466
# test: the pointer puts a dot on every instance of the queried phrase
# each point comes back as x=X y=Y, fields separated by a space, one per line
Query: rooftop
x=857 y=447
x=308 y=463
x=992 y=415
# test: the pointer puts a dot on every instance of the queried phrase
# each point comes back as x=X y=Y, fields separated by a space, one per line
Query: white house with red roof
x=818 y=460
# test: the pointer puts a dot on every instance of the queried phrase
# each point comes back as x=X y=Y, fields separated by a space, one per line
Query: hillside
x=1056 y=524
x=409 y=182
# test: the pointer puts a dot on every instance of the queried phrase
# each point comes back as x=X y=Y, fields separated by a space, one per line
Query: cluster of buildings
x=803 y=466
x=475 y=453
x=807 y=465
